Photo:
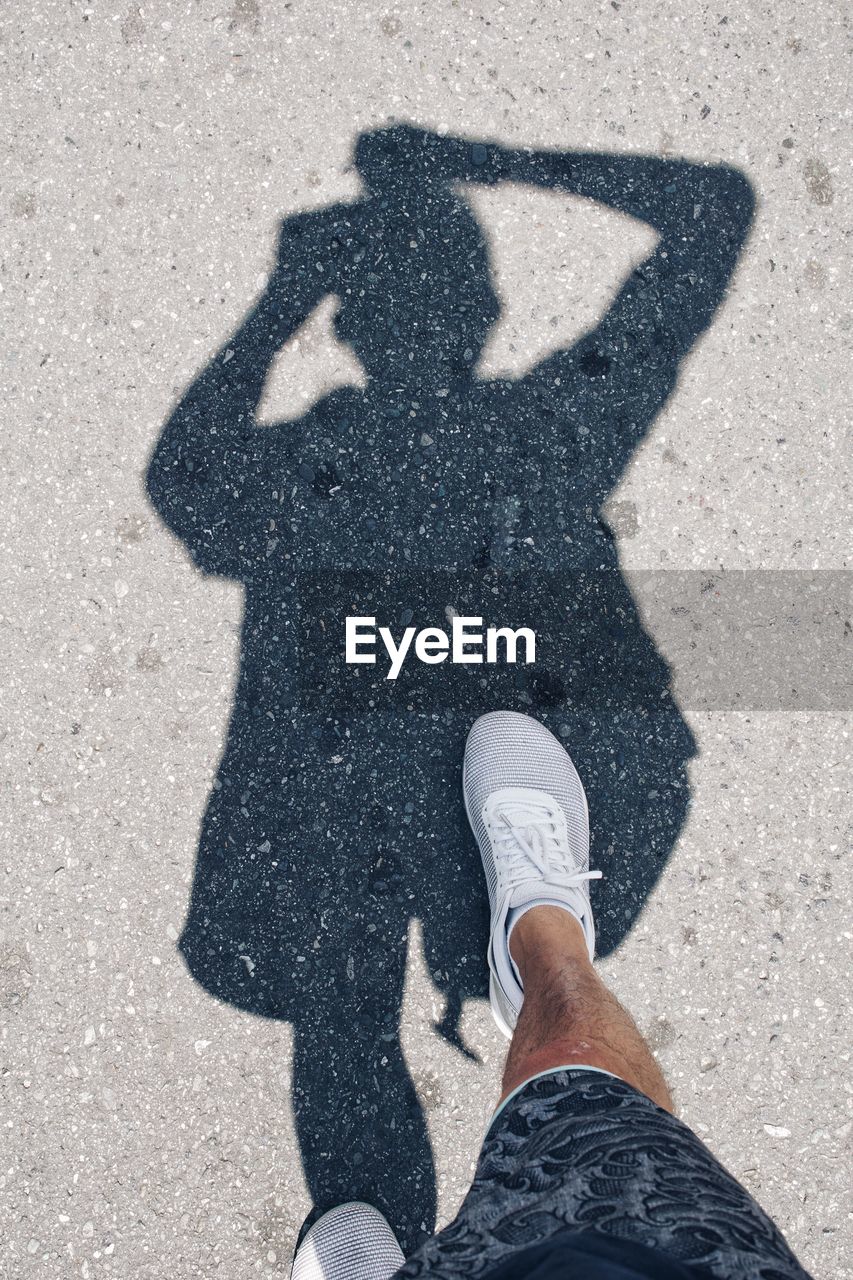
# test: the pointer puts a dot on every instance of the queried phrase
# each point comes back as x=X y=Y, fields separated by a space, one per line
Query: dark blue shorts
x=579 y=1160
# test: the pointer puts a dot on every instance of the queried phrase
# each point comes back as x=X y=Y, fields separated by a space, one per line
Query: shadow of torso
x=335 y=778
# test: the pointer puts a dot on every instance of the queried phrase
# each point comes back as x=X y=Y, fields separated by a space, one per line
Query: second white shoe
x=527 y=808
x=353 y=1241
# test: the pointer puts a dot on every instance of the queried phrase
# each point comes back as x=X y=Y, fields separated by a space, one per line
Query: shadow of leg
x=634 y=770
x=360 y=1124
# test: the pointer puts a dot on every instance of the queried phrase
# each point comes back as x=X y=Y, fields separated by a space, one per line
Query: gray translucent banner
x=606 y=643
x=756 y=639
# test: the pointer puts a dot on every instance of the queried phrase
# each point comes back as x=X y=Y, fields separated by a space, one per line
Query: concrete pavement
x=150 y=155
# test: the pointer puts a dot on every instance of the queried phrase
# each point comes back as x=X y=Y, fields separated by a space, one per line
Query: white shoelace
x=540 y=847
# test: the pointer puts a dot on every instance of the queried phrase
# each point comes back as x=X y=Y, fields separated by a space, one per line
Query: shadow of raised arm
x=203 y=474
x=702 y=214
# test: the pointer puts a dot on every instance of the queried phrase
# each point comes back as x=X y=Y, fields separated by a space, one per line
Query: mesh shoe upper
x=351 y=1242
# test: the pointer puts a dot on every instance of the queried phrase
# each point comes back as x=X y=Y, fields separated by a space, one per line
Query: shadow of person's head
x=417 y=298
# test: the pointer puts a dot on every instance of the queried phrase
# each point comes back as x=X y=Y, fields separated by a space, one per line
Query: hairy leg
x=568 y=1015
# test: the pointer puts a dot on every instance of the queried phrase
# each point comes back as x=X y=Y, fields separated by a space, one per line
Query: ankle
x=545 y=937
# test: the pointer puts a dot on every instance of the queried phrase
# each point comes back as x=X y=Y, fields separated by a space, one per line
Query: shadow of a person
x=334 y=818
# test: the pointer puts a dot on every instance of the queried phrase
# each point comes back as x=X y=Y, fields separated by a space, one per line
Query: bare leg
x=568 y=1015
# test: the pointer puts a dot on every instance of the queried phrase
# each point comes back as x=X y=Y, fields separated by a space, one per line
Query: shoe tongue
x=529 y=891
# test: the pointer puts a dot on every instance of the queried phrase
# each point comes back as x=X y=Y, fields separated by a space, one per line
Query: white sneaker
x=351 y=1242
x=528 y=810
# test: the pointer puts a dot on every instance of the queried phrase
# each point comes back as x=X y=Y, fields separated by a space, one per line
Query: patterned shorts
x=579 y=1150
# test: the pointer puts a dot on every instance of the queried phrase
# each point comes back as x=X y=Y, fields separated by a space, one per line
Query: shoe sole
x=500 y=1021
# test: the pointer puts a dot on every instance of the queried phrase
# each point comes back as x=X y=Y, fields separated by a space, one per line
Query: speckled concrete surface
x=149 y=157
